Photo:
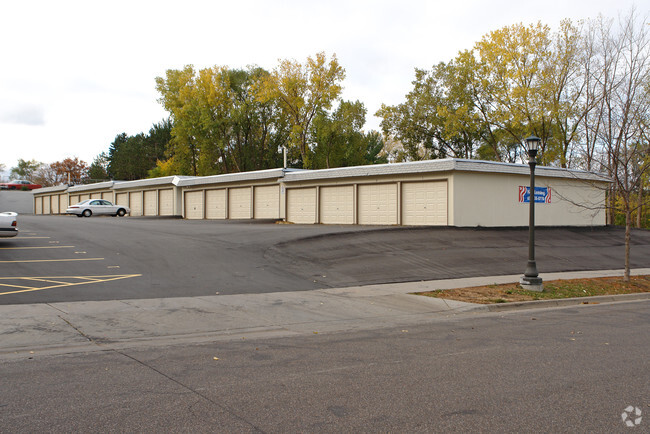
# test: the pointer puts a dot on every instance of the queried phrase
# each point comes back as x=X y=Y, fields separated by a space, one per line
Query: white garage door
x=267 y=202
x=166 y=198
x=55 y=204
x=38 y=205
x=122 y=199
x=337 y=204
x=63 y=203
x=378 y=204
x=424 y=203
x=194 y=205
x=135 y=203
x=301 y=205
x=215 y=204
x=46 y=204
x=239 y=203
x=95 y=195
x=83 y=197
x=107 y=195
x=151 y=202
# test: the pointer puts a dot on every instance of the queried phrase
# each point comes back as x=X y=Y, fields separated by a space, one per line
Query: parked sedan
x=8 y=224
x=97 y=207
x=19 y=184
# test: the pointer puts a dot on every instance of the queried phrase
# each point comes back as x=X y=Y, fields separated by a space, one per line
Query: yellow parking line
x=35 y=279
x=42 y=247
x=15 y=286
x=52 y=260
x=102 y=279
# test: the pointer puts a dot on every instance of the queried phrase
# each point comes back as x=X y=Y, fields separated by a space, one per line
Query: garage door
x=301 y=205
x=122 y=199
x=74 y=199
x=215 y=204
x=135 y=203
x=95 y=195
x=63 y=203
x=83 y=197
x=166 y=198
x=267 y=202
x=54 y=206
x=151 y=202
x=194 y=205
x=337 y=204
x=46 y=204
x=239 y=203
x=38 y=205
x=378 y=204
x=424 y=203
x=107 y=195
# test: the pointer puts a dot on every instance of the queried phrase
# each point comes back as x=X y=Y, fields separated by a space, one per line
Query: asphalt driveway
x=62 y=258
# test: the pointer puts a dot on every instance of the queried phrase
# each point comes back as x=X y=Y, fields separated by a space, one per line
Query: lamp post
x=531 y=280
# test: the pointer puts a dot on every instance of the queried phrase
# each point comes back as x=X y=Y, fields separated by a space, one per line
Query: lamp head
x=532 y=143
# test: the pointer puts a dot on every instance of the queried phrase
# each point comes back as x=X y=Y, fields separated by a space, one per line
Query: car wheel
x=79 y=215
x=121 y=212
x=87 y=213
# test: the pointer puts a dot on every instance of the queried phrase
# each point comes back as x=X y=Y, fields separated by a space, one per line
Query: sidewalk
x=37 y=329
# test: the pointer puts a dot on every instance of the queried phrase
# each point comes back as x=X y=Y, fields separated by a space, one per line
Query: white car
x=8 y=224
x=97 y=207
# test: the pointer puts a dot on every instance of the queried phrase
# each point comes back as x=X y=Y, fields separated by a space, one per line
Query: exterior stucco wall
x=492 y=199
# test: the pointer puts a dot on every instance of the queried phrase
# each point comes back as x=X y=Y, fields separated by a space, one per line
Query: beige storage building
x=246 y=195
x=448 y=192
x=150 y=197
x=51 y=200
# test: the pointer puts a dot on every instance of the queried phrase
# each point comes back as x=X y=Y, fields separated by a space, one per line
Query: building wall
x=492 y=199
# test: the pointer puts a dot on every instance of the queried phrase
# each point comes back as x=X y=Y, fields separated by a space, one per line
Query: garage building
x=447 y=192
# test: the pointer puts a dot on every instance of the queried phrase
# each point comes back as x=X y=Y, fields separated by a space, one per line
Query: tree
x=220 y=126
x=340 y=141
x=98 y=170
x=623 y=89
x=25 y=169
x=131 y=157
x=302 y=92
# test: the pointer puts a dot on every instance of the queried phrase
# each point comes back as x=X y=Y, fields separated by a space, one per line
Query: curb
x=597 y=299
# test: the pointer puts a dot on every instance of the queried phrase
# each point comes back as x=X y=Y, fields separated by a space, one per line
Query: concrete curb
x=559 y=302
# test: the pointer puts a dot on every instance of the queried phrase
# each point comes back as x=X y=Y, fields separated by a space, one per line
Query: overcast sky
x=77 y=73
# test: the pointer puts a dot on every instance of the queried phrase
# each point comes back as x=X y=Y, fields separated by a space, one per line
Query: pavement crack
x=78 y=330
x=194 y=391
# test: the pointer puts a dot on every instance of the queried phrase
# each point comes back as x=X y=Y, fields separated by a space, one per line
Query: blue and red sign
x=542 y=194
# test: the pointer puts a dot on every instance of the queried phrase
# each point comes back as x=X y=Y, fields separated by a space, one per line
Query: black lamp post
x=531 y=279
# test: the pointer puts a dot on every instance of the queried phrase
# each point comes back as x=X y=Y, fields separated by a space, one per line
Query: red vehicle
x=19 y=184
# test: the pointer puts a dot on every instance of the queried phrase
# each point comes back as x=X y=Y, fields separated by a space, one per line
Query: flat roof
x=442 y=165
x=237 y=177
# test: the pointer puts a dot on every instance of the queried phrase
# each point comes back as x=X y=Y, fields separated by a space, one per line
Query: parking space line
x=35 y=279
x=93 y=279
x=31 y=238
x=39 y=247
x=51 y=260
x=14 y=286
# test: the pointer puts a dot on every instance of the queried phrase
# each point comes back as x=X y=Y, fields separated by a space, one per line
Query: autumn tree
x=220 y=126
x=302 y=92
x=622 y=88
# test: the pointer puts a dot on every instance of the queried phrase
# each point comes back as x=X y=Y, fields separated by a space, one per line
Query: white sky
x=74 y=74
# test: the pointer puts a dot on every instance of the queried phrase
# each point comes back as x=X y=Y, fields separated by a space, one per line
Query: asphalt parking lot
x=64 y=258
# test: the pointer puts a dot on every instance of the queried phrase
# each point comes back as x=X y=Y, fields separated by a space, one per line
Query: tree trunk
x=628 y=226
x=639 y=210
